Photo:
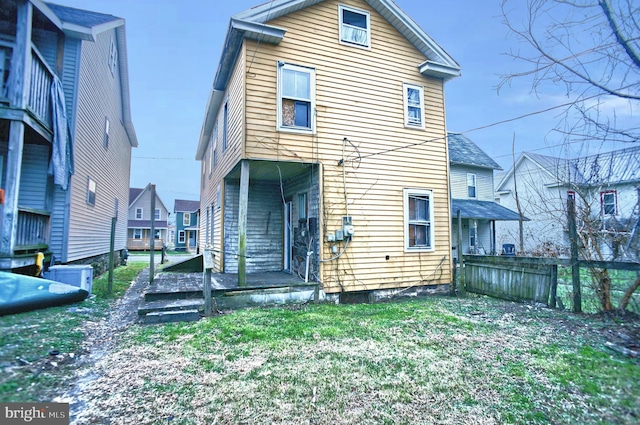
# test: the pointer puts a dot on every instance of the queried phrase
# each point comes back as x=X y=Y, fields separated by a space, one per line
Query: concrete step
x=172 y=316
x=169 y=305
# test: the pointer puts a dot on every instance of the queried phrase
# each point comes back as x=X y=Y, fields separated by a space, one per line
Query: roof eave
x=472 y=164
x=438 y=70
x=123 y=63
x=238 y=30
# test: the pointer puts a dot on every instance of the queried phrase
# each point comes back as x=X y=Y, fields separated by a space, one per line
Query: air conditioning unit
x=80 y=276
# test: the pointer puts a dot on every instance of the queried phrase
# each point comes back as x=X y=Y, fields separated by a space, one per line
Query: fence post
x=575 y=267
x=207 y=259
x=460 y=257
x=554 y=286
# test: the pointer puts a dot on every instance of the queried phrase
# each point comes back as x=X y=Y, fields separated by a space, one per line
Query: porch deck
x=263 y=289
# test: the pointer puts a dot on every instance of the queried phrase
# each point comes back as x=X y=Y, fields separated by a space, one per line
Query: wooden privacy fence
x=512 y=278
x=528 y=279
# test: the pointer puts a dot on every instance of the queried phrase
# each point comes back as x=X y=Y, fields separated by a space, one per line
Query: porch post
x=242 y=223
x=18 y=87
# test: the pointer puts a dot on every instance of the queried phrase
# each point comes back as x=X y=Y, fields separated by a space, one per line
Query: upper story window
x=138 y=213
x=471 y=186
x=296 y=98
x=608 y=201
x=105 y=141
x=156 y=215
x=225 y=126
x=413 y=105
x=113 y=57
x=355 y=26
x=91 y=191
x=418 y=222
x=214 y=156
x=186 y=219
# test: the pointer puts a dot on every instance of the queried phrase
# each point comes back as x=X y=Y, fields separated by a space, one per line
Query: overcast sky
x=174 y=47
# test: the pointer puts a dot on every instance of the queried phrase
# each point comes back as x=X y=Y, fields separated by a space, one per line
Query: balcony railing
x=33 y=230
x=41 y=78
x=40 y=88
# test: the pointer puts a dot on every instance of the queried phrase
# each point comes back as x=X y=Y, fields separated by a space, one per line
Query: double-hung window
x=296 y=98
x=418 y=227
x=186 y=219
x=471 y=186
x=181 y=236
x=355 y=26
x=608 y=202
x=91 y=191
x=156 y=214
x=137 y=233
x=413 y=105
x=138 y=213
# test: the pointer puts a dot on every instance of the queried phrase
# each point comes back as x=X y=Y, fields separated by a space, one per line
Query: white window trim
x=137 y=232
x=341 y=8
x=113 y=57
x=604 y=193
x=105 y=141
x=141 y=213
x=418 y=192
x=186 y=219
x=92 y=187
x=225 y=125
x=181 y=236
x=159 y=214
x=420 y=88
x=312 y=79
x=475 y=185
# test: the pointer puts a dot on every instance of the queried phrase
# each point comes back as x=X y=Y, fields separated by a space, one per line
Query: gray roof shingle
x=462 y=151
x=183 y=205
x=84 y=18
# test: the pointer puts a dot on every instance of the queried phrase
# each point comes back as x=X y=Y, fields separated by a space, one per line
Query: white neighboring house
x=606 y=188
x=471 y=185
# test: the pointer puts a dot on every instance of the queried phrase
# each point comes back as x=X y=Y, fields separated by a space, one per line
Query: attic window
x=354 y=26
x=113 y=57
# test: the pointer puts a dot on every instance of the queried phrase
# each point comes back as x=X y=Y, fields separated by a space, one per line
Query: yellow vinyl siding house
x=323 y=148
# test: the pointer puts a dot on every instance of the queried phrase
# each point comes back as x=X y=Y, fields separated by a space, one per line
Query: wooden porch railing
x=143 y=244
x=33 y=230
x=40 y=88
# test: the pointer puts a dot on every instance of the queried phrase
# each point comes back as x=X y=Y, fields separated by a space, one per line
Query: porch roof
x=470 y=208
x=146 y=224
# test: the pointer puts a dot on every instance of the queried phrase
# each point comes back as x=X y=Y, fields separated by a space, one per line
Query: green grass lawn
x=27 y=370
x=434 y=360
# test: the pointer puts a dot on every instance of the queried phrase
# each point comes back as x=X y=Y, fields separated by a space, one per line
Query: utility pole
x=152 y=188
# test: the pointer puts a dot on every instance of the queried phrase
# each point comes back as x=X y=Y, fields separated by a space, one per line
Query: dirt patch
x=101 y=337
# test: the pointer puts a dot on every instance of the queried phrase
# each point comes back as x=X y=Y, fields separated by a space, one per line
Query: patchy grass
x=30 y=368
x=436 y=360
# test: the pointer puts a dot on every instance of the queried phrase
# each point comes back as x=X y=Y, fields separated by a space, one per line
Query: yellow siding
x=235 y=96
x=359 y=96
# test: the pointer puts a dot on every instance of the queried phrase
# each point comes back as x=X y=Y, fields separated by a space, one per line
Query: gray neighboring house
x=606 y=187
x=66 y=133
x=471 y=185
x=139 y=220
